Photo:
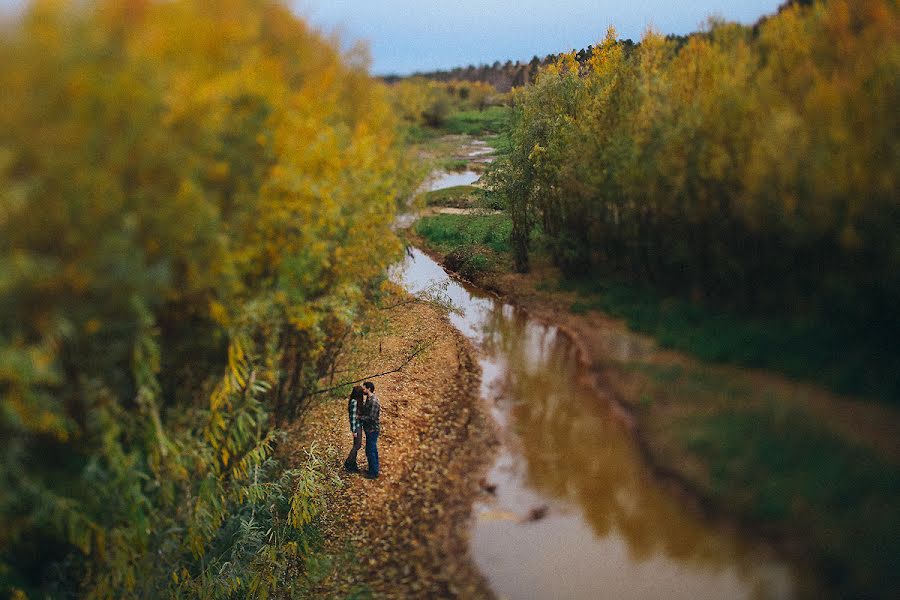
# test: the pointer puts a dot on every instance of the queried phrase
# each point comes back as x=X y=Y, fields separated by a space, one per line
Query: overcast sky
x=420 y=35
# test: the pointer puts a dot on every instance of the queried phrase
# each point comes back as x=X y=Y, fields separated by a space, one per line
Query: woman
x=354 y=406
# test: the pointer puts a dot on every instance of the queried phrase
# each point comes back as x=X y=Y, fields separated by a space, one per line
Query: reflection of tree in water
x=576 y=451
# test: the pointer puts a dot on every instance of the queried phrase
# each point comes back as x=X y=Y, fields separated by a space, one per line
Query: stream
x=575 y=513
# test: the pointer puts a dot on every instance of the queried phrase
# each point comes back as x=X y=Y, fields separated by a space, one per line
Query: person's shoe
x=351 y=468
x=368 y=475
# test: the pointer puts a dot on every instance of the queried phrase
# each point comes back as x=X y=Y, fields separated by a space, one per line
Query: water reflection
x=609 y=530
x=446 y=180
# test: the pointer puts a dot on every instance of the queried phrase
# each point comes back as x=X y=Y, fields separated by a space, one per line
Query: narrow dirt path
x=405 y=534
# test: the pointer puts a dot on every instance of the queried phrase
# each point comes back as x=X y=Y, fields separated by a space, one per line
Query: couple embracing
x=364 y=411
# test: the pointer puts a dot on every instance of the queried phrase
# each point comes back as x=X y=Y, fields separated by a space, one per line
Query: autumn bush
x=195 y=199
x=753 y=169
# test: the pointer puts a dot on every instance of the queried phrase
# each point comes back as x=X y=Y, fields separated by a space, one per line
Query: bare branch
x=399 y=368
x=434 y=294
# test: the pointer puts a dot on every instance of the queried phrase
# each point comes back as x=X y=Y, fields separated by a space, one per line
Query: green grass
x=419 y=134
x=778 y=467
x=843 y=358
x=762 y=455
x=454 y=164
x=491 y=123
x=458 y=196
x=450 y=232
x=478 y=122
x=501 y=143
x=463 y=196
x=473 y=244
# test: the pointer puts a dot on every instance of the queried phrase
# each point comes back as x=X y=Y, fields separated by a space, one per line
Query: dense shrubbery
x=756 y=169
x=462 y=107
x=194 y=199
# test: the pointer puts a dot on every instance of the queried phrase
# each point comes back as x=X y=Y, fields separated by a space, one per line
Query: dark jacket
x=371 y=414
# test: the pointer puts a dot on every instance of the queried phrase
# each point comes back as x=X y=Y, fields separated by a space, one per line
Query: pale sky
x=421 y=35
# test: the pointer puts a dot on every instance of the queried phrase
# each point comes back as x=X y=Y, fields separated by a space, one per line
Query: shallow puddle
x=444 y=180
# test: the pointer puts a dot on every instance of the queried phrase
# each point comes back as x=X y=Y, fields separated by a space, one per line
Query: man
x=371 y=424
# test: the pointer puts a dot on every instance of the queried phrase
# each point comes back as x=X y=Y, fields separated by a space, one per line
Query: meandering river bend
x=574 y=512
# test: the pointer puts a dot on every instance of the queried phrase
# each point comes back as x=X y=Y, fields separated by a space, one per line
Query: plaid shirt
x=371 y=414
x=354 y=420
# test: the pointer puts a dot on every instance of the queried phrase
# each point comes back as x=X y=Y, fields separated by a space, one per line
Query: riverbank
x=405 y=534
x=815 y=472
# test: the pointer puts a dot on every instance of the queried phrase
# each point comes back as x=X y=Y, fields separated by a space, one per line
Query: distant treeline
x=511 y=74
x=502 y=76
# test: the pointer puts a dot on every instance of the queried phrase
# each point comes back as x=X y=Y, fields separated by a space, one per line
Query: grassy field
x=490 y=122
x=462 y=196
x=846 y=359
x=419 y=134
x=760 y=451
x=473 y=244
x=454 y=164
x=493 y=119
x=458 y=196
x=447 y=233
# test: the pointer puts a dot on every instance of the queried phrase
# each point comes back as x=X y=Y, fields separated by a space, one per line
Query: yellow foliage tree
x=194 y=195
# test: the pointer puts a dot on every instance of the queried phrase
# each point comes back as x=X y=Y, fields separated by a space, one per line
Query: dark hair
x=370 y=386
x=356 y=393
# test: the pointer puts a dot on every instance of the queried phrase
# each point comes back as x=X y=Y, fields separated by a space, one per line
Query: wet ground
x=569 y=509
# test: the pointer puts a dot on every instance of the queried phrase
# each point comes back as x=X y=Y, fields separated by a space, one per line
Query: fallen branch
x=434 y=294
x=408 y=360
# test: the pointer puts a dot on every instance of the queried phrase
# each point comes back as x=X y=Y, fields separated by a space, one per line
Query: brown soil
x=405 y=534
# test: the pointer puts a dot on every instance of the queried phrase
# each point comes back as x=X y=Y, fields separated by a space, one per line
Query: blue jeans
x=372 y=451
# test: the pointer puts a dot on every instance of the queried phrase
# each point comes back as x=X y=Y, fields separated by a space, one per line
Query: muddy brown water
x=574 y=512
